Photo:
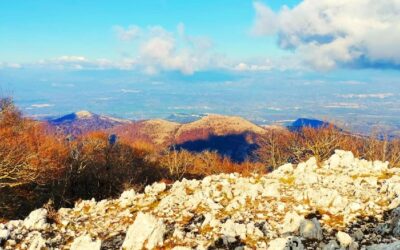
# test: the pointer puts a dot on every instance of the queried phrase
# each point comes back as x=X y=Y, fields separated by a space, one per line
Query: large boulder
x=146 y=232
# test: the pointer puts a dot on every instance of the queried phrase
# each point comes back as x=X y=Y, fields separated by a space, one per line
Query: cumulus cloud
x=127 y=34
x=327 y=34
x=163 y=50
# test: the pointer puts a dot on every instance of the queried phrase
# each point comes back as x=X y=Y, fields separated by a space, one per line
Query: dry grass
x=278 y=147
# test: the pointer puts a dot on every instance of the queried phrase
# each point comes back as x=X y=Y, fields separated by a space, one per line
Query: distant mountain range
x=310 y=123
x=231 y=136
x=84 y=121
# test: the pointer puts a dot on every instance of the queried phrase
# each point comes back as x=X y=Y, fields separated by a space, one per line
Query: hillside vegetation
x=41 y=167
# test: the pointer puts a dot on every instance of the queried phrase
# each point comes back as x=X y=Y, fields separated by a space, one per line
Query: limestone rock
x=291 y=223
x=232 y=229
x=311 y=229
x=155 y=188
x=147 y=231
x=344 y=239
x=37 y=220
x=85 y=242
x=288 y=243
x=233 y=211
x=4 y=234
x=36 y=241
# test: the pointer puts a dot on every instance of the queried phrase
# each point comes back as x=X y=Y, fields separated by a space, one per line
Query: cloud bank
x=327 y=34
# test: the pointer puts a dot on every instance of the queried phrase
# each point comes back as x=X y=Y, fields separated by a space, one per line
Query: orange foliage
x=27 y=153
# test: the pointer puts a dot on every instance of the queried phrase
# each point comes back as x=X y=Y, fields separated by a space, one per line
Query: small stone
x=291 y=223
x=4 y=234
x=344 y=239
x=156 y=188
x=36 y=241
x=311 y=229
x=292 y=243
x=358 y=235
x=332 y=245
x=85 y=242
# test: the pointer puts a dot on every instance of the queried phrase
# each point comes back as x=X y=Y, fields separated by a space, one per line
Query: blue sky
x=266 y=60
x=40 y=29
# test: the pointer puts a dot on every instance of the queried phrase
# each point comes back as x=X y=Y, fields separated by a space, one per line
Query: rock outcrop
x=344 y=202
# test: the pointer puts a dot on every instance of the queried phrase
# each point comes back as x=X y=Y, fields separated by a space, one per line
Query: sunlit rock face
x=342 y=202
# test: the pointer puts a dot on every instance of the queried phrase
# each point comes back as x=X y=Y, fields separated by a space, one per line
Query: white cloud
x=326 y=34
x=265 y=23
x=10 y=65
x=364 y=96
x=42 y=105
x=81 y=62
x=344 y=105
x=125 y=91
x=127 y=34
x=267 y=66
x=161 y=50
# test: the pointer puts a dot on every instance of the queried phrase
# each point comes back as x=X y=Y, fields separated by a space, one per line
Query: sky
x=45 y=29
x=177 y=35
x=268 y=44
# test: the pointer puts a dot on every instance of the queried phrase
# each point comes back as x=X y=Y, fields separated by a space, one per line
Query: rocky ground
x=342 y=203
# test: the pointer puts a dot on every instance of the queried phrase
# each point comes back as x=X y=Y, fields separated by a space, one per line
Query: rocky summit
x=341 y=203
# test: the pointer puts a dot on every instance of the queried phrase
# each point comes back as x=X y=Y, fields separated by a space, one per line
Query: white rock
x=4 y=234
x=232 y=229
x=271 y=190
x=334 y=161
x=354 y=206
x=127 y=198
x=156 y=188
x=288 y=243
x=285 y=169
x=128 y=194
x=291 y=223
x=85 y=242
x=344 y=239
x=147 y=231
x=36 y=241
x=311 y=229
x=36 y=220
